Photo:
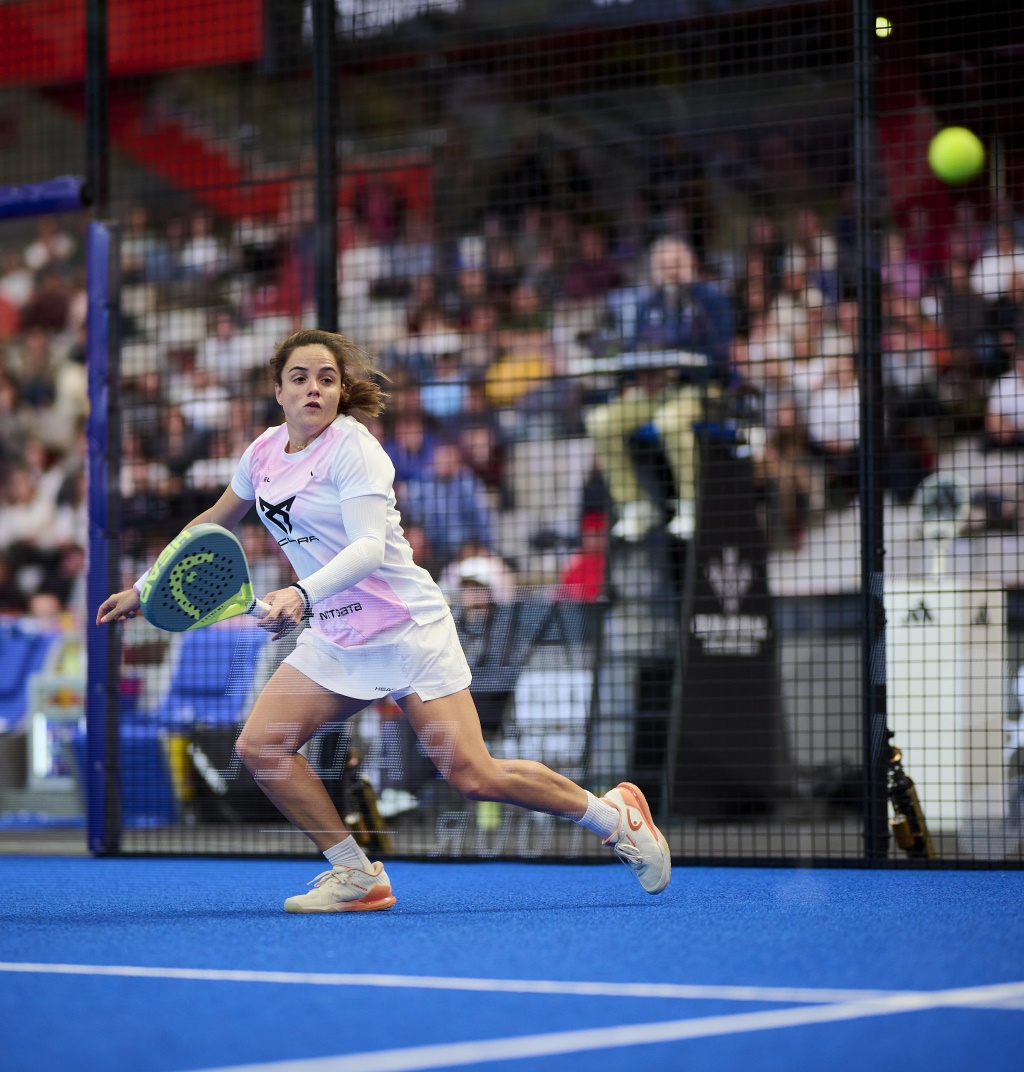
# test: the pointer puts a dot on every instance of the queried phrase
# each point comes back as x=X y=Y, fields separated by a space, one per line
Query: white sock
x=601 y=817
x=347 y=853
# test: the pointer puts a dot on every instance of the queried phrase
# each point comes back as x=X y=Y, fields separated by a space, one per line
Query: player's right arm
x=227 y=511
x=119 y=607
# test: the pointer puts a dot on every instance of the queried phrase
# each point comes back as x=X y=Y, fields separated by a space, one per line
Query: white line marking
x=484 y=986
x=451 y=1055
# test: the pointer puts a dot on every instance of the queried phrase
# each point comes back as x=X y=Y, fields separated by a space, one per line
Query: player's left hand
x=287 y=609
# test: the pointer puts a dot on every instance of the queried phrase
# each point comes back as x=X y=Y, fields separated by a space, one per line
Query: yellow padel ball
x=956 y=155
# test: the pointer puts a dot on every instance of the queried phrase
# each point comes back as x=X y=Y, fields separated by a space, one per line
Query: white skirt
x=424 y=659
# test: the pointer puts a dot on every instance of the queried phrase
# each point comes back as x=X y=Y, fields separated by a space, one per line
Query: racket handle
x=259 y=609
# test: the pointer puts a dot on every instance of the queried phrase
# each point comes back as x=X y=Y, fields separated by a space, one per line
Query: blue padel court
x=168 y=965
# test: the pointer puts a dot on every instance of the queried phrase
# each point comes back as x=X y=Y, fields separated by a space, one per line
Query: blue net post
x=102 y=776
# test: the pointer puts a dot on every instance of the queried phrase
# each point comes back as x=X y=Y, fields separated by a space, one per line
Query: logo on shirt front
x=278 y=514
x=340 y=612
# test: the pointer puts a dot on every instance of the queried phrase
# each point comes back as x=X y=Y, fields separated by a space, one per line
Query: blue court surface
x=156 y=965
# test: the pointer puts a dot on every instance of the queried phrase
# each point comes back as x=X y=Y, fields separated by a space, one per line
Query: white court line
x=438 y=982
x=452 y=1055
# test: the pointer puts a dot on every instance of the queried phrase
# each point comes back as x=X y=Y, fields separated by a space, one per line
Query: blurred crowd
x=503 y=329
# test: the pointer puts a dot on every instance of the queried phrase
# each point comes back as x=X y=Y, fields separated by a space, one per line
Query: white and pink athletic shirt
x=297 y=496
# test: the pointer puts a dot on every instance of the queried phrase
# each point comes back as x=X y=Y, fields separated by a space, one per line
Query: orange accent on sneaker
x=377 y=899
x=641 y=805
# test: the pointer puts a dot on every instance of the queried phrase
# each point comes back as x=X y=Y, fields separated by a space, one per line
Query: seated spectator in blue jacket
x=411 y=447
x=679 y=312
x=450 y=502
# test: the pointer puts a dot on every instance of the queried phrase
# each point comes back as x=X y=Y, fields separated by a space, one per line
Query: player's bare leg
x=449 y=730
x=289 y=711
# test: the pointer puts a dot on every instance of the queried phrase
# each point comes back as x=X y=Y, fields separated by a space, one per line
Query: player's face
x=310 y=389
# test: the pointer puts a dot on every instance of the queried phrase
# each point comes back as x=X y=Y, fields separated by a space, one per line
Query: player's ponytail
x=362 y=394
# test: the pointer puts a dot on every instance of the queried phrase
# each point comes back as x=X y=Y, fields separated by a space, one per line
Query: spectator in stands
x=999 y=265
x=49 y=306
x=17 y=281
x=449 y=502
x=791 y=312
x=413 y=256
x=974 y=358
x=483 y=450
x=543 y=273
x=927 y=241
x=34 y=364
x=150 y=492
x=27 y=523
x=502 y=272
x=362 y=262
x=758 y=280
x=582 y=577
x=833 y=429
x=820 y=247
x=443 y=393
x=1004 y=412
x=422 y=301
x=475 y=566
x=13 y=602
x=410 y=446
x=204 y=255
x=52 y=248
x=680 y=312
x=526 y=358
x=164 y=265
x=785 y=476
x=225 y=352
x=207 y=406
x=142 y=250
x=469 y=292
x=594 y=271
x=914 y=352
x=527 y=322
x=480 y=337
x=966 y=233
x=179 y=444
x=13 y=417
x=257 y=248
x=44 y=466
x=900 y=273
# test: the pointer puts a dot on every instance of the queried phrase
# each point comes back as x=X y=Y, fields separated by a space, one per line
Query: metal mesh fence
x=704 y=405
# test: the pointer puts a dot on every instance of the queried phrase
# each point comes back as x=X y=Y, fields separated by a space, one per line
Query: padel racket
x=199 y=578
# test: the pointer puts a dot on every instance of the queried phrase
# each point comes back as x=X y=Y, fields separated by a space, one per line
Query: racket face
x=201 y=577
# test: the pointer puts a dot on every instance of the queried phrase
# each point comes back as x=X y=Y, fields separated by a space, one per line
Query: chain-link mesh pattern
x=685 y=318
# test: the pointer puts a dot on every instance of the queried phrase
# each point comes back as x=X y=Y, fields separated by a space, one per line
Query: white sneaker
x=682 y=525
x=636 y=519
x=345 y=889
x=638 y=843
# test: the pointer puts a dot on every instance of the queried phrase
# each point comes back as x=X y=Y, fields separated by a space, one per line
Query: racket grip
x=259 y=609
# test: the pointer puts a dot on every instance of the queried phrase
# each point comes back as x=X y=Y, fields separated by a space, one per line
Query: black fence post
x=325 y=136
x=872 y=430
x=97 y=117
